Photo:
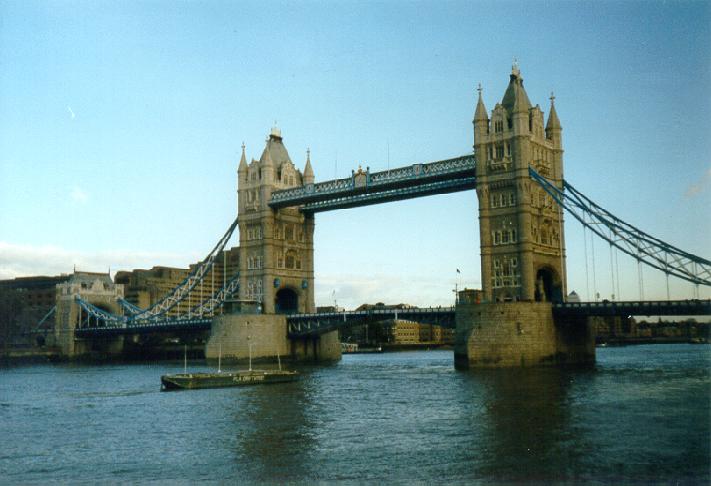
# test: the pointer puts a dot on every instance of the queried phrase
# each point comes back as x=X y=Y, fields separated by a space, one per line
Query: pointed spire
x=515 y=99
x=242 y=161
x=553 y=122
x=308 y=170
x=266 y=159
x=480 y=113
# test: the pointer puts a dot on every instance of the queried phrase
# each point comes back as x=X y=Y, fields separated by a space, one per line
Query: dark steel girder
x=391 y=195
x=361 y=187
x=302 y=325
x=634 y=308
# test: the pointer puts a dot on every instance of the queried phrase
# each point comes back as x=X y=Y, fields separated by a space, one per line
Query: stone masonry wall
x=515 y=334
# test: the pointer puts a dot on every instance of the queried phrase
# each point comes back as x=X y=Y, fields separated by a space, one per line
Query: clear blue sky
x=121 y=125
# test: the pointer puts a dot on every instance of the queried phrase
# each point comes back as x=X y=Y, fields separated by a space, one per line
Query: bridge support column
x=323 y=348
x=519 y=334
x=232 y=335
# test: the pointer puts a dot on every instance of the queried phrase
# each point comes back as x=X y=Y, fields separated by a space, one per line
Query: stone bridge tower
x=522 y=243
x=276 y=246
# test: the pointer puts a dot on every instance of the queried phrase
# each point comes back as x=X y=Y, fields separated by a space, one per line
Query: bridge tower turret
x=276 y=246
x=521 y=228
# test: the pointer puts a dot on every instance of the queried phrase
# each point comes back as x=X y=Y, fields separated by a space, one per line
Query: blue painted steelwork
x=96 y=320
x=129 y=307
x=399 y=194
x=301 y=325
x=631 y=240
x=41 y=324
x=364 y=188
x=634 y=308
x=181 y=292
x=180 y=323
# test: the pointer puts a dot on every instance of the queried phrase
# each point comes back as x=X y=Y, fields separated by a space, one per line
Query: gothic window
x=544 y=236
x=505 y=237
x=499 y=151
x=497 y=237
x=494 y=201
x=280 y=261
x=298 y=263
x=491 y=152
x=512 y=199
x=508 y=149
x=290 y=259
x=290 y=232
x=513 y=236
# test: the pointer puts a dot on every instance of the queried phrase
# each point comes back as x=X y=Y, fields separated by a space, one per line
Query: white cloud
x=79 y=195
x=29 y=260
x=699 y=186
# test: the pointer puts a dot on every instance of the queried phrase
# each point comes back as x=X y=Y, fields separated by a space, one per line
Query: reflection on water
x=528 y=417
x=642 y=414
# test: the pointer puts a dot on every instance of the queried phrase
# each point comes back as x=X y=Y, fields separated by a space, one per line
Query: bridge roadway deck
x=300 y=325
x=634 y=308
x=310 y=324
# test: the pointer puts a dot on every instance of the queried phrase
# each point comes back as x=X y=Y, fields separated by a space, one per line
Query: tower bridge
x=519 y=318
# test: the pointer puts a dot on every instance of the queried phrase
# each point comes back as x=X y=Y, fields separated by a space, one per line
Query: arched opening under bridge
x=286 y=301
x=548 y=286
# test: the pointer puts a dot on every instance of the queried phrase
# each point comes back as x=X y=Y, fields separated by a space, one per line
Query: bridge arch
x=286 y=301
x=549 y=285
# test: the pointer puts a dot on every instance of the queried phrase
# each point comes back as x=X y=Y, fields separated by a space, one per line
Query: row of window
x=254 y=289
x=542 y=200
x=503 y=200
x=288 y=232
x=254 y=262
x=504 y=237
x=288 y=180
x=253 y=196
x=291 y=260
x=546 y=236
x=500 y=149
x=506 y=272
x=254 y=233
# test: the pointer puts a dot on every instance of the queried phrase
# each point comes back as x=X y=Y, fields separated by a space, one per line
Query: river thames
x=641 y=415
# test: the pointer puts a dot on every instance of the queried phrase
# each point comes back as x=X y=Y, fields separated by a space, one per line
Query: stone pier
x=232 y=335
x=519 y=334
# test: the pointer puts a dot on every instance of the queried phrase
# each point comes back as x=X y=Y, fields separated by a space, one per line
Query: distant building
x=144 y=288
x=37 y=292
x=397 y=332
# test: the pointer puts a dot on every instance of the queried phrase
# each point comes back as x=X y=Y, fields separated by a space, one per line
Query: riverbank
x=629 y=341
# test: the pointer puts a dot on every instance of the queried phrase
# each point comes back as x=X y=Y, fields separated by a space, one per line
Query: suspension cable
x=585 y=246
x=592 y=248
x=612 y=273
x=633 y=241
